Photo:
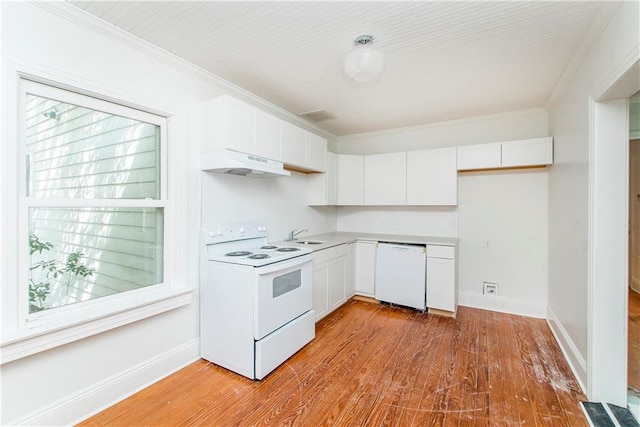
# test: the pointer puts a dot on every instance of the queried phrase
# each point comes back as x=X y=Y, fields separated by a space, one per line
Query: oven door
x=283 y=291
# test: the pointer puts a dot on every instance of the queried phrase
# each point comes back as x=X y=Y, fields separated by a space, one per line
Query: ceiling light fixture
x=364 y=62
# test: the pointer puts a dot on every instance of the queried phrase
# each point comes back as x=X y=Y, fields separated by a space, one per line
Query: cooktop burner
x=246 y=244
x=238 y=253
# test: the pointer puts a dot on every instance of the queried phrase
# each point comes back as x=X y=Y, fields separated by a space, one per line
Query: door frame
x=608 y=236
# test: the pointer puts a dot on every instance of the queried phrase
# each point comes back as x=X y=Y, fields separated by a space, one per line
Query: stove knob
x=241 y=230
x=219 y=232
x=212 y=233
x=262 y=228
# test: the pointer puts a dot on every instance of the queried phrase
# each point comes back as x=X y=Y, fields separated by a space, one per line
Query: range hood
x=237 y=163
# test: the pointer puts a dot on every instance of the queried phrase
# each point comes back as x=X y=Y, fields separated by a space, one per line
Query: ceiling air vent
x=317 y=115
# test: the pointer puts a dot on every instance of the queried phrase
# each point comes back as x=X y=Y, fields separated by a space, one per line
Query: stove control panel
x=234 y=232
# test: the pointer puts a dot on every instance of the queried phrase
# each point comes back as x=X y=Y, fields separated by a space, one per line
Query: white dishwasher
x=401 y=274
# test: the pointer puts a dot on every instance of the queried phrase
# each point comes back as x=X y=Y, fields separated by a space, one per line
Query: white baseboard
x=576 y=361
x=503 y=304
x=81 y=405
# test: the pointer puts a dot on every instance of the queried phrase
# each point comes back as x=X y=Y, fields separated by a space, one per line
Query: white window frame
x=22 y=333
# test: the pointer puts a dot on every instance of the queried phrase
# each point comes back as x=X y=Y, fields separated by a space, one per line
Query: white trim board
x=516 y=306
x=79 y=406
x=572 y=355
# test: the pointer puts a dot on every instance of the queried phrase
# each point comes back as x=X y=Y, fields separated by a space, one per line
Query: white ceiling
x=444 y=60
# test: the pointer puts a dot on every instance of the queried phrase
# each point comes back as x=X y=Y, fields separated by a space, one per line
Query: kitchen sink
x=310 y=242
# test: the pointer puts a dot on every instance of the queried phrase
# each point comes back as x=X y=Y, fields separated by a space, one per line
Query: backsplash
x=278 y=203
x=412 y=220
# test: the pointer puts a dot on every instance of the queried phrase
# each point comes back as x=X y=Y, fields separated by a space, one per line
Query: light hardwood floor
x=374 y=365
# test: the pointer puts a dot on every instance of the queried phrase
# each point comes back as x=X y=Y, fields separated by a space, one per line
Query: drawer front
x=328 y=254
x=277 y=347
x=437 y=251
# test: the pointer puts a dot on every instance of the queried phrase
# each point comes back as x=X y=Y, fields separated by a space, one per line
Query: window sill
x=100 y=318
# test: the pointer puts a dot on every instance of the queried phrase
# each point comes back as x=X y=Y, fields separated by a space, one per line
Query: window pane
x=76 y=152
x=78 y=254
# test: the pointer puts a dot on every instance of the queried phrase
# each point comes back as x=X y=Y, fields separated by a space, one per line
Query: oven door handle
x=282 y=265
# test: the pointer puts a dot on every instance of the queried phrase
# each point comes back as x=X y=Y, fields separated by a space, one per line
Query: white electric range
x=255 y=299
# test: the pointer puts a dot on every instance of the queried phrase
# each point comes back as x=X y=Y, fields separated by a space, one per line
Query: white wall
x=506 y=211
x=569 y=193
x=65 y=384
x=434 y=221
x=503 y=239
x=279 y=203
x=474 y=130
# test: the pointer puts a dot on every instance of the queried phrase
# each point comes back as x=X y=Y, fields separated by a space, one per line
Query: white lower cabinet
x=442 y=292
x=329 y=279
x=362 y=267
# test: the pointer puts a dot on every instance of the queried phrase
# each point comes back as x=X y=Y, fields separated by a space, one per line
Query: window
x=88 y=218
x=93 y=196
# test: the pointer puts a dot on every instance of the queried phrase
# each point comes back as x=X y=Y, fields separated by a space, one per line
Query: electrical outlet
x=489 y=288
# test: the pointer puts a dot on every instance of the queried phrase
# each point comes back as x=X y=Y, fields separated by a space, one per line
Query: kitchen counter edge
x=337 y=238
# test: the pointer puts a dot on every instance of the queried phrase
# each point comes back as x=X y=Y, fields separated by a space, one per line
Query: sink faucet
x=294 y=233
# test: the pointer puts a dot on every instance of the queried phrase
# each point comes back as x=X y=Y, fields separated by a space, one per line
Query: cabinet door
x=385 y=179
x=351 y=269
x=365 y=268
x=227 y=123
x=294 y=145
x=240 y=131
x=337 y=282
x=432 y=178
x=527 y=152
x=321 y=187
x=350 y=180
x=320 y=290
x=316 y=152
x=480 y=156
x=268 y=140
x=441 y=283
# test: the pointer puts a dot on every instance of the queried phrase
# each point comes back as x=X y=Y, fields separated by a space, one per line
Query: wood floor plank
x=376 y=365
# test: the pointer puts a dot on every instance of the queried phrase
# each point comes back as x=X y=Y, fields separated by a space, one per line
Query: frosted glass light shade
x=363 y=63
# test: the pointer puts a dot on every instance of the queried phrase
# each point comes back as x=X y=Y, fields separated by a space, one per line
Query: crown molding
x=110 y=31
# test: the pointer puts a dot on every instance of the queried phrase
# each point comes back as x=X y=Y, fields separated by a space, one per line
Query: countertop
x=341 y=237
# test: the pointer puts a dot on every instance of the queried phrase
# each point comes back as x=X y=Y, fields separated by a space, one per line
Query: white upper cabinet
x=527 y=152
x=268 y=139
x=432 y=178
x=385 y=179
x=510 y=154
x=294 y=149
x=350 y=180
x=322 y=187
x=303 y=149
x=230 y=123
x=480 y=156
x=316 y=152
